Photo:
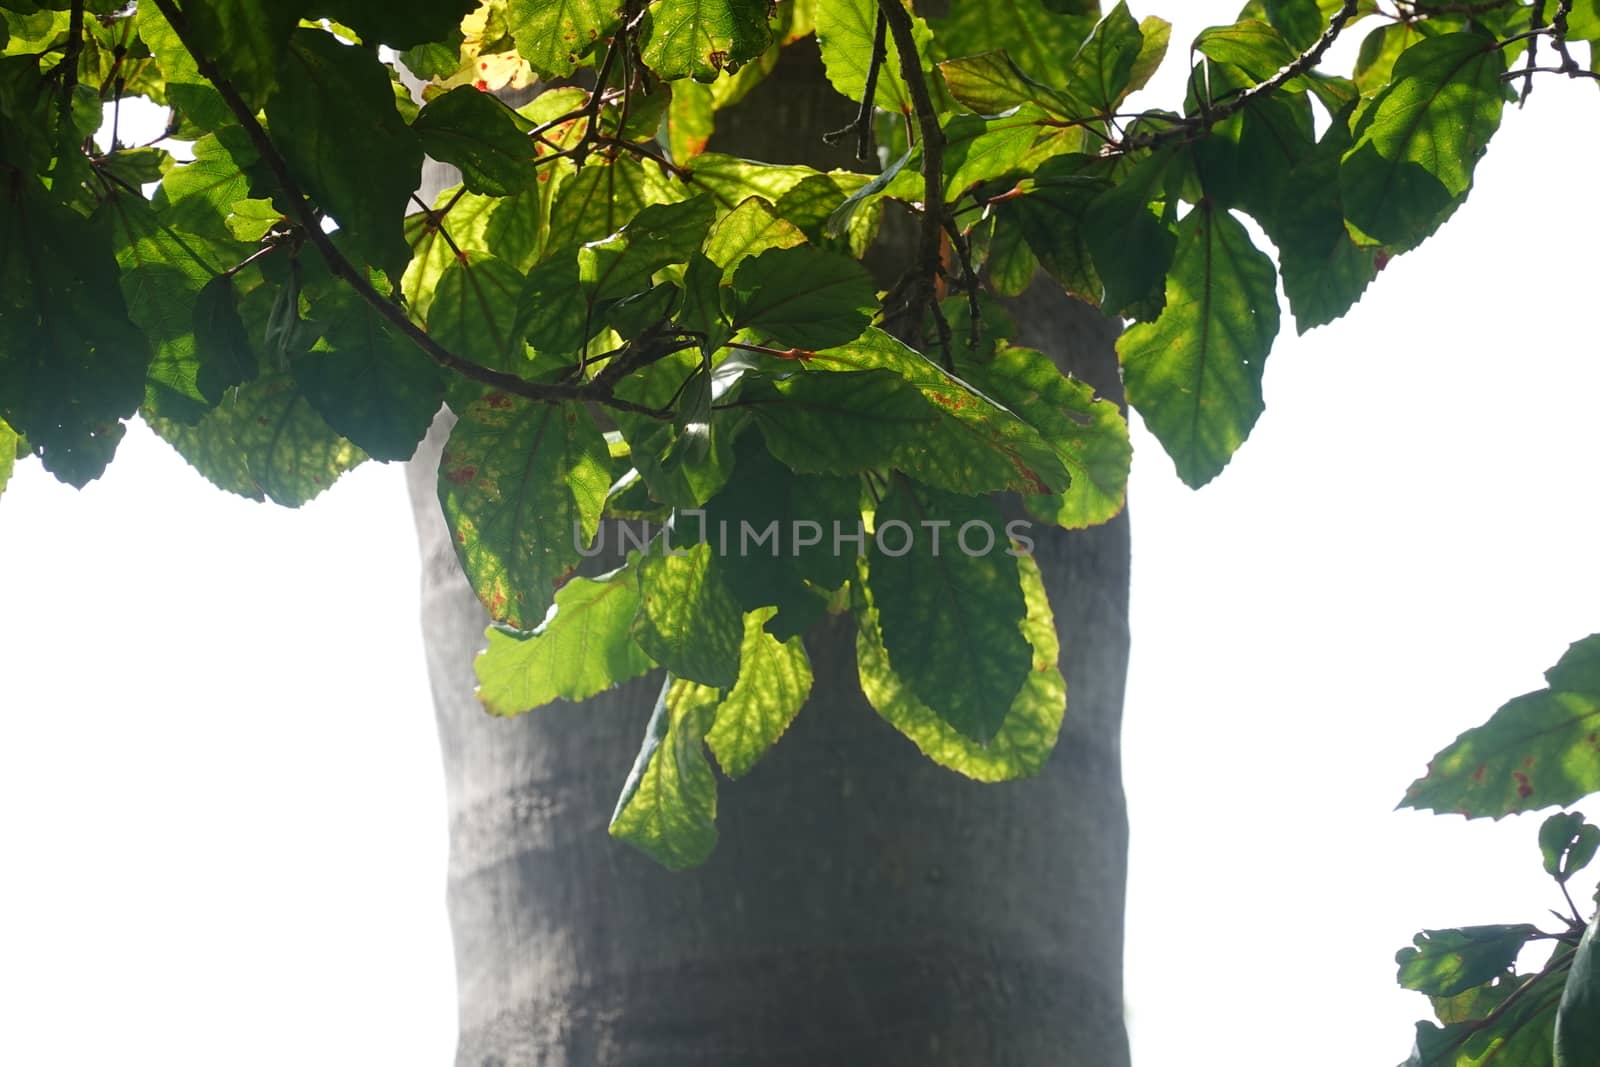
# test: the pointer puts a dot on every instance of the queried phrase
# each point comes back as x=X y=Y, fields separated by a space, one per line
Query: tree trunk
x=863 y=906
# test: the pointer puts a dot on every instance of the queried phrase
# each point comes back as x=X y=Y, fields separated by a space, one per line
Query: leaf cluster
x=641 y=338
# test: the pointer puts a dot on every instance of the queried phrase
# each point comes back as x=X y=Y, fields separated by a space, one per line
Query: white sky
x=222 y=814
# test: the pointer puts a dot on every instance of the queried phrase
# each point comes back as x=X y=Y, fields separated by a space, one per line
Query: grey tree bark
x=863 y=906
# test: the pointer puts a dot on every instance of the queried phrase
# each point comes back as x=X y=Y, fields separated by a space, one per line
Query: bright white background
x=222 y=816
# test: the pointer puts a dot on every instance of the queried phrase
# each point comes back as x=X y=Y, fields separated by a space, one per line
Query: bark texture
x=863 y=906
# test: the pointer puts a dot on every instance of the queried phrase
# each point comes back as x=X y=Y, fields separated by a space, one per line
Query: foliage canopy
x=628 y=326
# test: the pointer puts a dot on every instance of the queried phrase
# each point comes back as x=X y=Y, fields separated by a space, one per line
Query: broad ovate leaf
x=1195 y=372
x=522 y=485
x=1028 y=731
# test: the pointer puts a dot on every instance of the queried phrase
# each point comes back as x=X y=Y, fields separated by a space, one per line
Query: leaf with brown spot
x=1540 y=749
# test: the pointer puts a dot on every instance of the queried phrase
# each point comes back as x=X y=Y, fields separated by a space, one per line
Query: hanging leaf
x=949 y=603
x=686 y=621
x=522 y=485
x=668 y=807
x=774 y=681
x=1027 y=733
x=1419 y=140
x=482 y=137
x=1195 y=373
x=264 y=442
x=554 y=35
x=583 y=647
x=1089 y=435
x=703 y=38
x=333 y=117
x=72 y=364
x=1444 y=963
x=370 y=382
x=1568 y=844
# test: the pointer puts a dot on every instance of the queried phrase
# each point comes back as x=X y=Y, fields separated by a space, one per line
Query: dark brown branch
x=347 y=272
x=1194 y=126
x=69 y=60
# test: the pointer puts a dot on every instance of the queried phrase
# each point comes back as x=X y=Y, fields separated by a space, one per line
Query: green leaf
x=1027 y=733
x=687 y=621
x=247 y=39
x=651 y=440
x=991 y=83
x=1300 y=21
x=1131 y=245
x=748 y=230
x=478 y=134
x=198 y=196
x=1447 y=962
x=842 y=423
x=223 y=352
x=1037 y=34
x=1055 y=216
x=72 y=364
x=803 y=297
x=1539 y=749
x=946 y=587
x=1520 y=1035
x=702 y=38
x=974 y=444
x=601 y=199
x=369 y=381
x=1568 y=844
x=1577 y=1039
x=774 y=681
x=9 y=442
x=1100 y=74
x=1088 y=434
x=1419 y=140
x=474 y=313
x=1324 y=270
x=186 y=89
x=163 y=272
x=469 y=221
x=555 y=35
x=334 y=120
x=1195 y=373
x=399 y=24
x=522 y=485
x=668 y=807
x=583 y=647
x=775 y=531
x=845 y=36
x=264 y=442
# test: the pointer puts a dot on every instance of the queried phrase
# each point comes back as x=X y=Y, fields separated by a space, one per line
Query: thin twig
x=1196 y=125
x=862 y=126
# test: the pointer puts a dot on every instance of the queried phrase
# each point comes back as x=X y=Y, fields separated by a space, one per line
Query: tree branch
x=1199 y=124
